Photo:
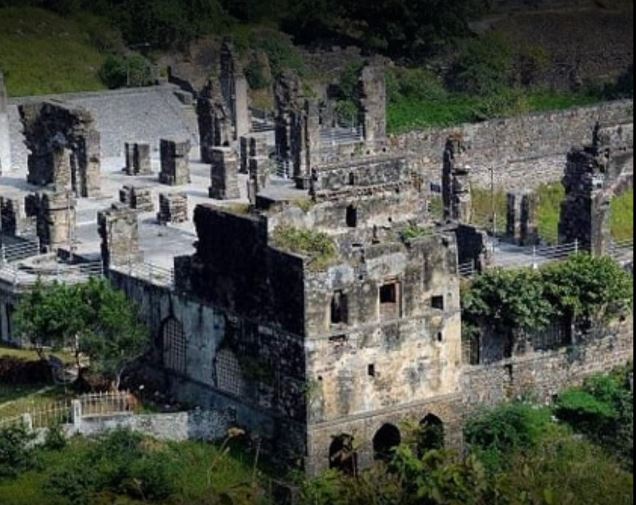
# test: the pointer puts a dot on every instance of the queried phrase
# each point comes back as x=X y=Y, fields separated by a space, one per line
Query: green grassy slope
x=42 y=53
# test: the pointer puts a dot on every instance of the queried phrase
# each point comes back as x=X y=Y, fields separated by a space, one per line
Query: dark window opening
x=390 y=301
x=352 y=217
x=342 y=455
x=371 y=371
x=339 y=308
x=338 y=339
x=431 y=435
x=352 y=179
x=385 y=442
x=437 y=302
x=440 y=337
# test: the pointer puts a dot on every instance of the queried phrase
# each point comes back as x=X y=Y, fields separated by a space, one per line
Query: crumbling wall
x=53 y=131
x=5 y=142
x=524 y=151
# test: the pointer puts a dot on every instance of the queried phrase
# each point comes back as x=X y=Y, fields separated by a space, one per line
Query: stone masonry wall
x=525 y=151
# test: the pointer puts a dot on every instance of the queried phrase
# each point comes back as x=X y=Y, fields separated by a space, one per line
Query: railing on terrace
x=47 y=415
x=332 y=137
x=17 y=251
x=510 y=256
x=622 y=251
x=154 y=274
x=21 y=277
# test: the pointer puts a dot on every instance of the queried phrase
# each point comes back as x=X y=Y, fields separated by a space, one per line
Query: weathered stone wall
x=5 y=141
x=524 y=151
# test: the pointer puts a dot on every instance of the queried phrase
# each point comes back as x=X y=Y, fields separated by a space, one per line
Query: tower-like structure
x=5 y=142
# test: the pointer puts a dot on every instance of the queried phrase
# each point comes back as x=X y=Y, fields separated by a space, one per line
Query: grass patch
x=622 y=218
x=414 y=232
x=483 y=204
x=42 y=53
x=549 y=211
x=18 y=399
x=316 y=245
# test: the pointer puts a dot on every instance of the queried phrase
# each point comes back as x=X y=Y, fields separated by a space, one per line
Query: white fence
x=17 y=251
x=154 y=274
x=21 y=277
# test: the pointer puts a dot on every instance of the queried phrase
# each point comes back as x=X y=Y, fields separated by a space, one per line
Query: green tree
x=92 y=319
x=588 y=288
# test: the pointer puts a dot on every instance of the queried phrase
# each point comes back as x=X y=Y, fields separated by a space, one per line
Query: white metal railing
x=622 y=250
x=332 y=137
x=532 y=256
x=155 y=274
x=467 y=270
x=24 y=249
x=20 y=277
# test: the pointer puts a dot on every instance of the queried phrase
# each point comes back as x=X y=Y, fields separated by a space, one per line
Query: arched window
x=342 y=455
x=431 y=436
x=174 y=345
x=229 y=377
x=386 y=439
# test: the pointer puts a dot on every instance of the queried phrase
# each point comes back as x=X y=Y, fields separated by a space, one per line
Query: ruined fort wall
x=524 y=151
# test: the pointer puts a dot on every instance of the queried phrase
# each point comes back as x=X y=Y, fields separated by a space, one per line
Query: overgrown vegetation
x=316 y=245
x=622 y=217
x=580 y=290
x=92 y=319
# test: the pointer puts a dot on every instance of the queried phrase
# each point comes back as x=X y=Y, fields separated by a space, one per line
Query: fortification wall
x=524 y=151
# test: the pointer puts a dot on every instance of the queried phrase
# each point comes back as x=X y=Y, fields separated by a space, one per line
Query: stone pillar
x=173 y=208
x=137 y=198
x=522 y=220
x=456 y=193
x=234 y=88
x=5 y=144
x=305 y=142
x=13 y=217
x=55 y=216
x=62 y=176
x=118 y=228
x=175 y=166
x=224 y=174
x=138 y=159
x=288 y=96
x=215 y=121
x=372 y=102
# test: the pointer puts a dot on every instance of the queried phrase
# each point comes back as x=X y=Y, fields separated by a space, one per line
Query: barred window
x=229 y=376
x=174 y=346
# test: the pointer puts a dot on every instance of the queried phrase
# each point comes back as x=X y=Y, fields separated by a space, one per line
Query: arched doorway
x=385 y=441
x=173 y=345
x=342 y=455
x=431 y=435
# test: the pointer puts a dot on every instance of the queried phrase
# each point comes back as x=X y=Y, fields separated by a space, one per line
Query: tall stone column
x=372 y=102
x=234 y=88
x=456 y=192
x=224 y=174
x=5 y=143
x=305 y=142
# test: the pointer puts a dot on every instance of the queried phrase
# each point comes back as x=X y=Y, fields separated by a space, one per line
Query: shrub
x=16 y=451
x=55 y=439
x=317 y=245
x=132 y=71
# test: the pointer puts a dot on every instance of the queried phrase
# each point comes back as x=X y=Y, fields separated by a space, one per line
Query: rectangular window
x=390 y=301
x=371 y=370
x=437 y=302
x=339 y=309
x=352 y=217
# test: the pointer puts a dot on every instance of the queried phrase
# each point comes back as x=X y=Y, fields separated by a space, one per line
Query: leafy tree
x=93 y=319
x=588 y=288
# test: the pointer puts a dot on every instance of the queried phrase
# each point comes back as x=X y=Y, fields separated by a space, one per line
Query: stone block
x=175 y=165
x=173 y=208
x=137 y=159
x=224 y=175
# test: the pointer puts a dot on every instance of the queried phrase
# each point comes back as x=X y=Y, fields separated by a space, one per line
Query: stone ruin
x=372 y=103
x=118 y=228
x=138 y=160
x=173 y=208
x=522 y=219
x=137 y=198
x=223 y=106
x=5 y=144
x=13 y=216
x=593 y=176
x=456 y=193
x=55 y=217
x=64 y=147
x=175 y=165
x=224 y=174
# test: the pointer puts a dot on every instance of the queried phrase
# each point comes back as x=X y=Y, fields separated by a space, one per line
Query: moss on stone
x=316 y=245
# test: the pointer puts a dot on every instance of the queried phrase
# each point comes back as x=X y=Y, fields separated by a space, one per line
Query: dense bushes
x=580 y=290
x=132 y=71
x=16 y=451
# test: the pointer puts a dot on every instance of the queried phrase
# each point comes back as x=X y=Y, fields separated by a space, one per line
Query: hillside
x=41 y=53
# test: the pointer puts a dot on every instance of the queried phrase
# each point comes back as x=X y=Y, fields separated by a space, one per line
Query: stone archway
x=342 y=455
x=385 y=441
x=431 y=434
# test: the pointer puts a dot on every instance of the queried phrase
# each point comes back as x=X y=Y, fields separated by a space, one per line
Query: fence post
x=27 y=422
x=576 y=246
x=76 y=405
x=535 y=266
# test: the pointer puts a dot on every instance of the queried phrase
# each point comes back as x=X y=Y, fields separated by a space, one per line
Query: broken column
x=224 y=174
x=288 y=97
x=456 y=182
x=137 y=198
x=522 y=219
x=234 y=88
x=118 y=228
x=173 y=208
x=372 y=103
x=175 y=166
x=137 y=159
x=215 y=121
x=305 y=141
x=593 y=175
x=52 y=126
x=55 y=217
x=13 y=217
x=5 y=143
